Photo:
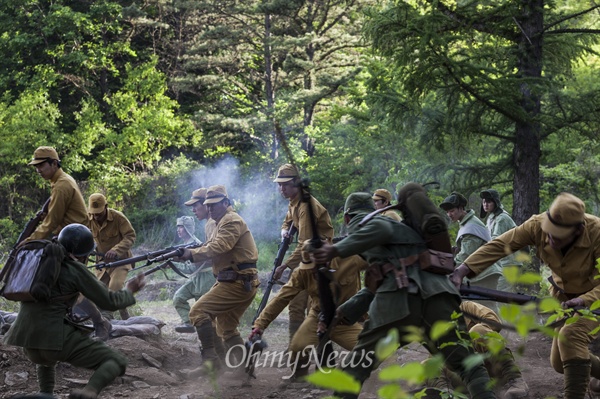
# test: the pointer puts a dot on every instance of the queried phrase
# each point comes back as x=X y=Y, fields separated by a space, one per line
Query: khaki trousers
x=226 y=302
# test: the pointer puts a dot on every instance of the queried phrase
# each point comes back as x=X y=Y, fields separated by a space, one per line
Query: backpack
x=421 y=214
x=33 y=272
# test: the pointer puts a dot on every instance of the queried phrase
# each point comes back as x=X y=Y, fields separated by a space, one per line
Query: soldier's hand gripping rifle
x=30 y=227
x=324 y=277
x=161 y=255
x=283 y=247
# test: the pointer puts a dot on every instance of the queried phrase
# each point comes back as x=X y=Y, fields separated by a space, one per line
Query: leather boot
x=210 y=361
x=102 y=326
x=515 y=386
x=577 y=377
x=220 y=348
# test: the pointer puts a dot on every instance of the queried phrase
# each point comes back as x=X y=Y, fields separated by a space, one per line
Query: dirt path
x=155 y=366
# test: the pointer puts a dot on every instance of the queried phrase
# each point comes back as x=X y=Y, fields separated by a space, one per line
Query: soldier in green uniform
x=498 y=222
x=233 y=253
x=200 y=280
x=383 y=198
x=114 y=236
x=472 y=234
x=346 y=283
x=405 y=295
x=66 y=204
x=47 y=336
x=567 y=240
x=288 y=179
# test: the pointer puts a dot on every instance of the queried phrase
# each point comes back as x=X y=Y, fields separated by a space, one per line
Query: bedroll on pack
x=34 y=271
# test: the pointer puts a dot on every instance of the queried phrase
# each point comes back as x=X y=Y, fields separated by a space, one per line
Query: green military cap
x=454 y=200
x=359 y=201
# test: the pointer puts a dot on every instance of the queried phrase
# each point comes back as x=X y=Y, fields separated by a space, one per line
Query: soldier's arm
x=354 y=308
x=128 y=233
x=276 y=305
x=56 y=214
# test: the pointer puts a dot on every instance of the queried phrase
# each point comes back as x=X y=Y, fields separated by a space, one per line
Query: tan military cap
x=566 y=212
x=382 y=193
x=197 y=195
x=42 y=154
x=96 y=203
x=286 y=173
x=215 y=194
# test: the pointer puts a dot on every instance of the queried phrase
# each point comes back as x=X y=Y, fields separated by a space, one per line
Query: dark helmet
x=77 y=239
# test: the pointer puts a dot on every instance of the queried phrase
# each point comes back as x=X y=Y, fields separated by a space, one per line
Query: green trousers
x=80 y=351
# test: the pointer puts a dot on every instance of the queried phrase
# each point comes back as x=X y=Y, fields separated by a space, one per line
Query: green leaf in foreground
x=335 y=380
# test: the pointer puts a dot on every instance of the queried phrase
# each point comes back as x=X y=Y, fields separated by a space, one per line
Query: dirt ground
x=155 y=364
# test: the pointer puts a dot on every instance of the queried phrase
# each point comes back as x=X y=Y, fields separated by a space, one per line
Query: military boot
x=577 y=377
x=515 y=386
x=210 y=360
x=296 y=380
x=438 y=387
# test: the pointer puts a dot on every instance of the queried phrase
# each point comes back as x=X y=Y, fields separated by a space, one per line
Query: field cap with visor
x=43 y=154
x=286 y=173
x=96 y=203
x=198 y=195
x=565 y=214
x=382 y=194
x=454 y=200
x=215 y=194
x=357 y=202
x=188 y=224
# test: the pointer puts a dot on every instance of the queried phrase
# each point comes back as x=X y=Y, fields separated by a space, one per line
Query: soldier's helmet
x=77 y=239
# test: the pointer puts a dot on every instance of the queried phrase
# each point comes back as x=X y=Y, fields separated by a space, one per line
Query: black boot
x=235 y=351
x=515 y=386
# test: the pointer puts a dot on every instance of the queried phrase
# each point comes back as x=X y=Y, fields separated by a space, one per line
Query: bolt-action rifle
x=30 y=227
x=162 y=255
x=474 y=293
x=283 y=247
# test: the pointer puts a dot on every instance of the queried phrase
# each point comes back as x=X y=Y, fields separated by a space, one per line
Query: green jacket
x=41 y=325
x=471 y=235
x=380 y=241
x=498 y=223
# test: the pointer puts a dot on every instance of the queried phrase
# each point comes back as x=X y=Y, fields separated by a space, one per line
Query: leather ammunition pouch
x=229 y=276
x=430 y=261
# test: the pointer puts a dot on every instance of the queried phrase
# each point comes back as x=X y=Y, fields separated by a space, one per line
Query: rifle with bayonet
x=161 y=255
x=283 y=247
x=30 y=227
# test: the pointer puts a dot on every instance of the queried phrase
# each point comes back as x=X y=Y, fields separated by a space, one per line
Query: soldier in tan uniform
x=288 y=179
x=567 y=240
x=66 y=204
x=234 y=254
x=383 y=198
x=304 y=279
x=114 y=236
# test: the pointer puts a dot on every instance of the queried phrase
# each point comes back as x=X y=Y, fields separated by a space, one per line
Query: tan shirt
x=230 y=245
x=299 y=215
x=66 y=206
x=392 y=214
x=115 y=233
x=347 y=283
x=575 y=272
x=483 y=312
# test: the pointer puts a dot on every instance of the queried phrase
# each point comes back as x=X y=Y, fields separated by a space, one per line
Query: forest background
x=147 y=100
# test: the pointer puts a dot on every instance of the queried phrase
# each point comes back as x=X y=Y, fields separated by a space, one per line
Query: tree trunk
x=527 y=150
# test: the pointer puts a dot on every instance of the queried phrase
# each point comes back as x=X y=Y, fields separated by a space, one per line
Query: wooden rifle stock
x=150 y=257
